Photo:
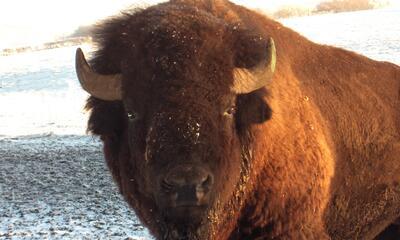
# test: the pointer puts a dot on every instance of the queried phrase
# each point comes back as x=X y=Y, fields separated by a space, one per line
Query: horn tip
x=271 y=42
x=79 y=53
x=271 y=39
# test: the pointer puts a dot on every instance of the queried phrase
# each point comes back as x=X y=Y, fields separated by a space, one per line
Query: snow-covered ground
x=58 y=187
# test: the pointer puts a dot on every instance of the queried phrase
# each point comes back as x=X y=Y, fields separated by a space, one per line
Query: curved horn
x=105 y=87
x=248 y=80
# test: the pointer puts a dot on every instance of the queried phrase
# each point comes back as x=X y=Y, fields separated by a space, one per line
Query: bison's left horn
x=248 y=80
x=105 y=87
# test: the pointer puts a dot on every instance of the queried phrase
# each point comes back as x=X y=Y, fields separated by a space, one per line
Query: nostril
x=203 y=188
x=206 y=183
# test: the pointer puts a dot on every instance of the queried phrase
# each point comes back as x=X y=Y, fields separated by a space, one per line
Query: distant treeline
x=330 y=6
x=82 y=31
x=67 y=42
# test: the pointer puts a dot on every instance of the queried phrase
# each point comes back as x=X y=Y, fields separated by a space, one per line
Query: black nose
x=188 y=186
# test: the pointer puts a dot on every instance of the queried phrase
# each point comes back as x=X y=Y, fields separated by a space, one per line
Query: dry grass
x=290 y=11
x=344 y=5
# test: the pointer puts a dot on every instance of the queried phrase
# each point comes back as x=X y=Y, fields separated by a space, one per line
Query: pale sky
x=25 y=22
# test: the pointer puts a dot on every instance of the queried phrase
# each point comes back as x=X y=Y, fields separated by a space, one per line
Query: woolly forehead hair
x=174 y=43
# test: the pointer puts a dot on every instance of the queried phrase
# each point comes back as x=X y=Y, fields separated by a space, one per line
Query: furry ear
x=106 y=117
x=252 y=109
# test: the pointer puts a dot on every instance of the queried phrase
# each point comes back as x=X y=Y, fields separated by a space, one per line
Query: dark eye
x=132 y=116
x=230 y=111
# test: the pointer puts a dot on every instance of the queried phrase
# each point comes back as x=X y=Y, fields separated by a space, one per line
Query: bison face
x=186 y=148
x=184 y=95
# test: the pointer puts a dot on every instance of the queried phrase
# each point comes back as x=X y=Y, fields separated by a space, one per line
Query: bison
x=220 y=123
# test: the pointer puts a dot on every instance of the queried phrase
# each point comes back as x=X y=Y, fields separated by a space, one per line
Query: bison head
x=184 y=80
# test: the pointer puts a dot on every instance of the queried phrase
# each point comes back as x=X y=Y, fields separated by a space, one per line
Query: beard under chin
x=184 y=232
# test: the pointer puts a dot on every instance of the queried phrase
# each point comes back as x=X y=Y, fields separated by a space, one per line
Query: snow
x=58 y=187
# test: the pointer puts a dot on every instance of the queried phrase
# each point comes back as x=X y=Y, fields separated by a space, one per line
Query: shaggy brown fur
x=323 y=164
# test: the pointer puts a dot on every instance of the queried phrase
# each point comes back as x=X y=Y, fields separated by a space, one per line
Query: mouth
x=187 y=214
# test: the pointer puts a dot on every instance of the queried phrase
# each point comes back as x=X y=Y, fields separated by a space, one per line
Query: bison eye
x=230 y=111
x=132 y=116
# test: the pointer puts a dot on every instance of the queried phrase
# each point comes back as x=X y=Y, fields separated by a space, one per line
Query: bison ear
x=254 y=60
x=252 y=109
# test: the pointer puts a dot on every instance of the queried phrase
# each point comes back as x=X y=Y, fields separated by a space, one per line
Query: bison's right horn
x=105 y=87
x=248 y=80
